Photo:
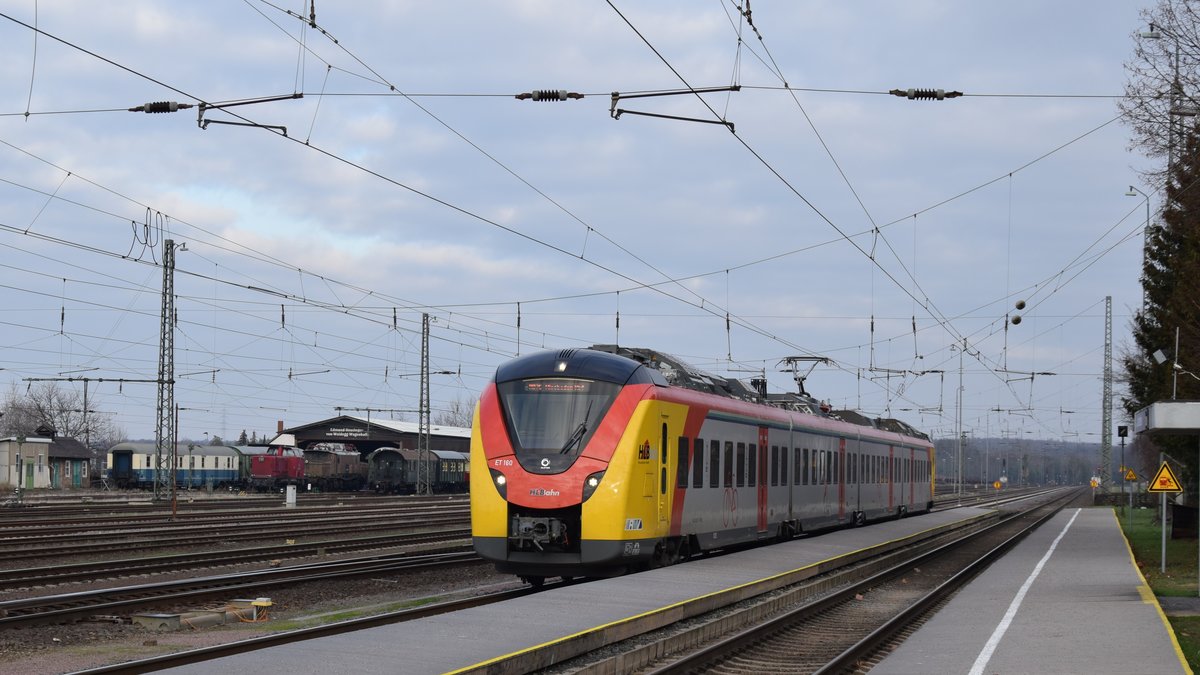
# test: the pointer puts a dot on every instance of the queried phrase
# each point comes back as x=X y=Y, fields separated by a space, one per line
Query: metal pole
x=1124 y=470
x=958 y=460
x=1131 y=488
x=1175 y=366
x=1163 y=511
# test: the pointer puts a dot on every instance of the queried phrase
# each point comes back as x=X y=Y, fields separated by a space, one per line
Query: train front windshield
x=550 y=420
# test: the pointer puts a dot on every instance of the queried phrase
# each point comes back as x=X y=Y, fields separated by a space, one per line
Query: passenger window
x=698 y=463
x=774 y=465
x=783 y=467
x=741 y=464
x=728 y=467
x=681 y=470
x=754 y=466
x=714 y=464
x=801 y=464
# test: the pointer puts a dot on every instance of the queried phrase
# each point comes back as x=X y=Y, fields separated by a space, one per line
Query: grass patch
x=1187 y=631
x=1145 y=538
x=1143 y=529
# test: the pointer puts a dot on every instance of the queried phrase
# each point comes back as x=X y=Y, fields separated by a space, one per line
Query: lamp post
x=20 y=469
x=958 y=434
x=1122 y=432
x=1133 y=192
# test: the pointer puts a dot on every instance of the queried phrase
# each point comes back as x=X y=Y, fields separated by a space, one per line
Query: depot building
x=366 y=435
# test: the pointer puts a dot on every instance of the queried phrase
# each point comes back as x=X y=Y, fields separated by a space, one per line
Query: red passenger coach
x=594 y=462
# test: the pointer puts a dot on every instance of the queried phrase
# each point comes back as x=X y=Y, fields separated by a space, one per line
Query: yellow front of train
x=568 y=472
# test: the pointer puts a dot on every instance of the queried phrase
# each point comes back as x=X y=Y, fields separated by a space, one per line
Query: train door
x=664 y=509
x=854 y=470
x=839 y=461
x=762 y=480
x=891 y=478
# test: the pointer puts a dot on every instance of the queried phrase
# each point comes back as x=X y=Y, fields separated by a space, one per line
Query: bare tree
x=1160 y=102
x=456 y=414
x=50 y=405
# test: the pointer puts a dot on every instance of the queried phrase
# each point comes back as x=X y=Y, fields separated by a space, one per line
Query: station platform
x=1067 y=599
x=469 y=639
x=1093 y=611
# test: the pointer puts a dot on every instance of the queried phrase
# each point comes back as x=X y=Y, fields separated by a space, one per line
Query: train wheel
x=536 y=582
x=902 y=511
x=672 y=553
x=860 y=519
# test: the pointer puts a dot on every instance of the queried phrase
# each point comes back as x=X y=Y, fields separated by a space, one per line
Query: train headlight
x=501 y=482
x=591 y=483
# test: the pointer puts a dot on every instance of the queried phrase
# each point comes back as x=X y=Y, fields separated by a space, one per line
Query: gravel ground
x=48 y=650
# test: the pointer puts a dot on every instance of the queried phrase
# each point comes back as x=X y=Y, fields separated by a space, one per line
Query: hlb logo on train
x=644 y=451
x=632 y=548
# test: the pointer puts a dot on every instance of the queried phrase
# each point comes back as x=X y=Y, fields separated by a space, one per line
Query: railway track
x=62 y=573
x=829 y=632
x=68 y=607
x=258 y=643
x=23 y=545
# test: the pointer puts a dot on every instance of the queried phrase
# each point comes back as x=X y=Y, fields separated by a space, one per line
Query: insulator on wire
x=925 y=94
x=161 y=107
x=549 y=95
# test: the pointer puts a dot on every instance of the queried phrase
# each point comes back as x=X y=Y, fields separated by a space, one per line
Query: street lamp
x=958 y=421
x=1157 y=32
x=1133 y=192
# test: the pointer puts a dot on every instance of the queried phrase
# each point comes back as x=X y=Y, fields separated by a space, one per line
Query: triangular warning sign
x=1130 y=475
x=1165 y=481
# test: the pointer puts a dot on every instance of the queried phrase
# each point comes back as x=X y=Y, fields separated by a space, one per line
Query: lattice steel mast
x=423 y=459
x=164 y=449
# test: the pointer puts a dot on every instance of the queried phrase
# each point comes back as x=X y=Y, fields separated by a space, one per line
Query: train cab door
x=762 y=480
x=664 y=508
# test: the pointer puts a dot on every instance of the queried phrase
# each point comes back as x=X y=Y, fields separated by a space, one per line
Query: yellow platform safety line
x=1149 y=598
x=683 y=603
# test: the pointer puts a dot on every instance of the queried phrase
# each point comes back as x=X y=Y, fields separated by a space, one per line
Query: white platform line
x=988 y=649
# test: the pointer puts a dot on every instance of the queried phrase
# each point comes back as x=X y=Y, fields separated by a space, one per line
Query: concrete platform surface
x=1067 y=599
x=464 y=639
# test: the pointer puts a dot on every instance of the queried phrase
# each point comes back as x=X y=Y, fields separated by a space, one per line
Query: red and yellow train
x=594 y=462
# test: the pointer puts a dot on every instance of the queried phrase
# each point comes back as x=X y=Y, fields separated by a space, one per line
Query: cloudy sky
x=827 y=218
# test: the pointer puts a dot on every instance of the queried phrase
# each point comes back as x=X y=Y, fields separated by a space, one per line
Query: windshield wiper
x=577 y=435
